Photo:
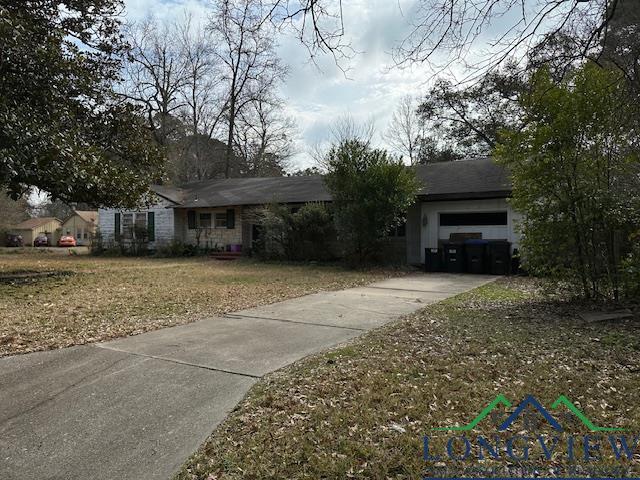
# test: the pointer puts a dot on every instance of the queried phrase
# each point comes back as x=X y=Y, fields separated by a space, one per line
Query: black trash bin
x=476 y=254
x=499 y=257
x=454 y=257
x=432 y=260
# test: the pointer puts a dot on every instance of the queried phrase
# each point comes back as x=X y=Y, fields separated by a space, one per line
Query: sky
x=318 y=95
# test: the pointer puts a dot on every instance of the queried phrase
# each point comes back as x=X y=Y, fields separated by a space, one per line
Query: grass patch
x=361 y=410
x=52 y=301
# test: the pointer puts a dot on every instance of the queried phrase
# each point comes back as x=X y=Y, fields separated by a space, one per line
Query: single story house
x=31 y=228
x=467 y=197
x=82 y=225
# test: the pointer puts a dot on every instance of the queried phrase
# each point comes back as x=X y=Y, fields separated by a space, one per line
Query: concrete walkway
x=136 y=408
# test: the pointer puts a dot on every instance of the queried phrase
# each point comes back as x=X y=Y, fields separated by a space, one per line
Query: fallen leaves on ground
x=361 y=410
x=52 y=301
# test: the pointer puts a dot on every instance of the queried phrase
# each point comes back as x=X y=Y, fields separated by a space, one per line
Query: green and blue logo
x=526 y=447
x=531 y=401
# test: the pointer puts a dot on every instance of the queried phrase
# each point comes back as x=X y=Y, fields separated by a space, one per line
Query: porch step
x=225 y=255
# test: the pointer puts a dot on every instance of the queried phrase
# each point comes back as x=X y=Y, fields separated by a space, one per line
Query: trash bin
x=432 y=260
x=454 y=257
x=476 y=254
x=499 y=257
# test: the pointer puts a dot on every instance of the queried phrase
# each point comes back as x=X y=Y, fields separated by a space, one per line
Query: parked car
x=14 y=240
x=41 y=241
x=67 y=241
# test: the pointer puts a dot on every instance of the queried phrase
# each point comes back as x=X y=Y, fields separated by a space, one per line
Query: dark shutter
x=116 y=226
x=151 y=226
x=191 y=219
x=231 y=218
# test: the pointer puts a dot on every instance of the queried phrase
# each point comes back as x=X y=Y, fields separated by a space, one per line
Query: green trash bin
x=499 y=257
x=454 y=257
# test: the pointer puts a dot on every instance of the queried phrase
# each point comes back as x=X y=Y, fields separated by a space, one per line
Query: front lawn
x=51 y=301
x=362 y=410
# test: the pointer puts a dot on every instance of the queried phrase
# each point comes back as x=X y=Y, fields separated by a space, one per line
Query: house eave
x=441 y=197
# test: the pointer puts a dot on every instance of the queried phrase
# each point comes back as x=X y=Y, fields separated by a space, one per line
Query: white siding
x=163 y=219
x=432 y=231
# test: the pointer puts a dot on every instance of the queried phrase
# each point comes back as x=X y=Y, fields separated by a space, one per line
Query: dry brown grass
x=92 y=299
x=361 y=410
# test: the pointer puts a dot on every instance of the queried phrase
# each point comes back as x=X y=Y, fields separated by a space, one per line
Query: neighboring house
x=458 y=199
x=81 y=224
x=31 y=228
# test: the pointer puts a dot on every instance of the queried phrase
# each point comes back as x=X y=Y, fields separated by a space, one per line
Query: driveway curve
x=137 y=407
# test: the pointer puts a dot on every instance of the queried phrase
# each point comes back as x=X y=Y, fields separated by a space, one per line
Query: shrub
x=304 y=235
x=371 y=194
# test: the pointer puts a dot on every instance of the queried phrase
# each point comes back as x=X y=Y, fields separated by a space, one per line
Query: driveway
x=136 y=408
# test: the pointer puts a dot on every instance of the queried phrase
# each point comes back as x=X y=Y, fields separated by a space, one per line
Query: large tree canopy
x=62 y=127
x=576 y=176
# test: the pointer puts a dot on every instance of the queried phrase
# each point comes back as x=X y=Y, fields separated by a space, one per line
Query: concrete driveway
x=136 y=408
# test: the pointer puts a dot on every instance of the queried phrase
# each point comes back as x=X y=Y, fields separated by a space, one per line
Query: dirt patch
x=21 y=277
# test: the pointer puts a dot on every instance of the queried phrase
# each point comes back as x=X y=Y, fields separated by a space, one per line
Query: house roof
x=35 y=223
x=254 y=191
x=472 y=178
x=89 y=216
x=173 y=194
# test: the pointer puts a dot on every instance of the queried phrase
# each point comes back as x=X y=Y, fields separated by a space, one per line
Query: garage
x=472 y=225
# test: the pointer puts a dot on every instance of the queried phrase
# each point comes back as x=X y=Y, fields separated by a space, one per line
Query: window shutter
x=151 y=226
x=116 y=226
x=231 y=218
x=191 y=219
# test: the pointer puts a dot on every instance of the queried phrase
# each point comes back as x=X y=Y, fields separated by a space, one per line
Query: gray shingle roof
x=255 y=191
x=471 y=178
x=464 y=179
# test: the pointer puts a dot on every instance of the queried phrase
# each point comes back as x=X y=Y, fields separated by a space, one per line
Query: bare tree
x=346 y=127
x=265 y=138
x=450 y=28
x=444 y=32
x=204 y=104
x=246 y=52
x=156 y=74
x=406 y=131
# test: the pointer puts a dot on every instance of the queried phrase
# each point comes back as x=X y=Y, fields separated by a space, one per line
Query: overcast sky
x=315 y=98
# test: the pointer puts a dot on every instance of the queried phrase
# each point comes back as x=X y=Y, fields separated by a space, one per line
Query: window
x=79 y=234
x=86 y=235
x=473 y=219
x=133 y=225
x=221 y=220
x=205 y=220
x=127 y=225
x=141 y=221
x=191 y=220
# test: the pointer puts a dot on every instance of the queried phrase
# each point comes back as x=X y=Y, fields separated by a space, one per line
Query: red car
x=67 y=241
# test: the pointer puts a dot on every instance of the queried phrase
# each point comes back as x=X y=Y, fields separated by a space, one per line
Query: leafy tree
x=62 y=127
x=576 y=177
x=468 y=120
x=371 y=194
